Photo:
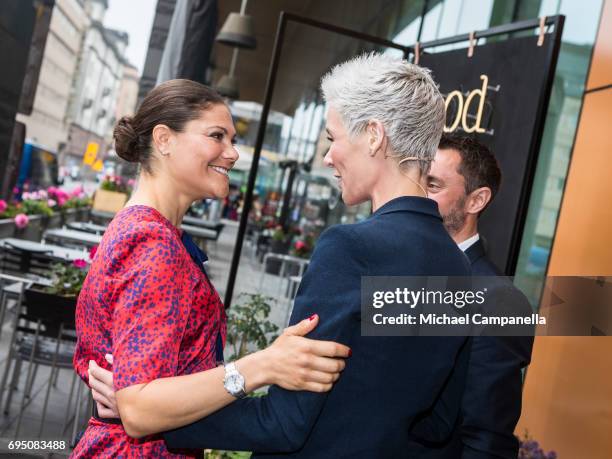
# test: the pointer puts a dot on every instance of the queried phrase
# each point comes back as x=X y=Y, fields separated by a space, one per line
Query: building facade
x=128 y=92
x=46 y=125
x=92 y=109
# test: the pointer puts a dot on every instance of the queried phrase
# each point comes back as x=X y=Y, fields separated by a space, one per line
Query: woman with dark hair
x=148 y=301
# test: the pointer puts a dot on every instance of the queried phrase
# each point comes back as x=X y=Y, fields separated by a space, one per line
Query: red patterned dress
x=146 y=302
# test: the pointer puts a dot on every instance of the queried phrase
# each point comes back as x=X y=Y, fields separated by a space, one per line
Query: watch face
x=235 y=383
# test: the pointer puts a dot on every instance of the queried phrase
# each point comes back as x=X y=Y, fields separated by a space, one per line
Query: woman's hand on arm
x=292 y=362
x=297 y=363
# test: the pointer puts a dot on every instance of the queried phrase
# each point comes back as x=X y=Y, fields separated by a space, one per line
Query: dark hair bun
x=126 y=140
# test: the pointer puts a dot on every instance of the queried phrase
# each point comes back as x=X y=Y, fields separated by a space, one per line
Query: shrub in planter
x=247 y=325
x=68 y=278
x=28 y=208
x=247 y=330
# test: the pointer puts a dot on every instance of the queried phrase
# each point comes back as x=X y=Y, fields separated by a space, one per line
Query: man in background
x=464 y=179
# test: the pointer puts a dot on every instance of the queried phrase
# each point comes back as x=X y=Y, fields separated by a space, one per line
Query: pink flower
x=21 y=221
x=300 y=245
x=93 y=251
x=26 y=196
x=80 y=263
x=15 y=190
x=77 y=191
x=131 y=183
x=51 y=202
x=3 y=205
x=61 y=200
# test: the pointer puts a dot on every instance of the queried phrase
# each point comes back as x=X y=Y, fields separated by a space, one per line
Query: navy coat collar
x=410 y=204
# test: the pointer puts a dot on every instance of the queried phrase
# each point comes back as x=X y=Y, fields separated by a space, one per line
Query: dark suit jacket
x=491 y=404
x=384 y=400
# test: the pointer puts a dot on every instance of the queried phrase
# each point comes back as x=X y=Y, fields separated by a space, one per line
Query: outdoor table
x=72 y=237
x=27 y=279
x=54 y=251
x=88 y=227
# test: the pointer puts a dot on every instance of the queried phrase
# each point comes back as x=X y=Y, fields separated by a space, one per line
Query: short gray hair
x=401 y=95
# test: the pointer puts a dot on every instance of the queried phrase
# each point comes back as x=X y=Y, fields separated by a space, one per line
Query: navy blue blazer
x=395 y=392
x=491 y=404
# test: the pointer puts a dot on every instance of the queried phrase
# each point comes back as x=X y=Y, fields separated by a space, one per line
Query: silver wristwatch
x=234 y=381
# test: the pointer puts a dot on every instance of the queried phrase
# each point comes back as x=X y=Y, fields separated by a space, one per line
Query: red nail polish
x=312 y=317
x=350 y=352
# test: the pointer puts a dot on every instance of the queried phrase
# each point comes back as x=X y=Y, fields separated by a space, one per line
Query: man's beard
x=454 y=219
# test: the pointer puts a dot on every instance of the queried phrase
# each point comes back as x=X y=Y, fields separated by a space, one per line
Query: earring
x=165 y=153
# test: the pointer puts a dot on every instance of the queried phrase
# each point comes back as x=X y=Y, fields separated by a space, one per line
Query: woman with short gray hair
x=388 y=114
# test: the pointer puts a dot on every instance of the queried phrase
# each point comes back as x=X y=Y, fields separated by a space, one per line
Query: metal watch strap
x=231 y=370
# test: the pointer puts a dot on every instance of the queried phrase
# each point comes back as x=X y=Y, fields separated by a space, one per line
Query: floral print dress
x=147 y=302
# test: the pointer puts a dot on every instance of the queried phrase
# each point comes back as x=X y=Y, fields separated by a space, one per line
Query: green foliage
x=77 y=203
x=303 y=246
x=34 y=207
x=68 y=278
x=9 y=211
x=115 y=183
x=247 y=323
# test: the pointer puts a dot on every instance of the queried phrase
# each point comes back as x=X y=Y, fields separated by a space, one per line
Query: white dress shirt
x=469 y=242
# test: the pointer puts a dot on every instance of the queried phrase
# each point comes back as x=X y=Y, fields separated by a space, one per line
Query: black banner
x=500 y=95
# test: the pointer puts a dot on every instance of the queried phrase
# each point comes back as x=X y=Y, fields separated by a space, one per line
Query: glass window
x=296 y=196
x=578 y=37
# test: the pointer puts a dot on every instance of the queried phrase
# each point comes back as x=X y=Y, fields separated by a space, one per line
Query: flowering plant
x=7 y=210
x=530 y=449
x=42 y=202
x=116 y=183
x=280 y=234
x=68 y=278
x=21 y=221
x=302 y=247
x=31 y=206
x=61 y=199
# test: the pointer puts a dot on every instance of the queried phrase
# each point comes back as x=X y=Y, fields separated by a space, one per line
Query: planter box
x=54 y=221
x=7 y=227
x=282 y=247
x=83 y=214
x=109 y=201
x=69 y=216
x=52 y=309
x=39 y=223
x=34 y=230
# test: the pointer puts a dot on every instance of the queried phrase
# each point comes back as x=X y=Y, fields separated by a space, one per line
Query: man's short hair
x=478 y=166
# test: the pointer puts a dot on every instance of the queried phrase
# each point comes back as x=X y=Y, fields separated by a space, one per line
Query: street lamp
x=237 y=31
